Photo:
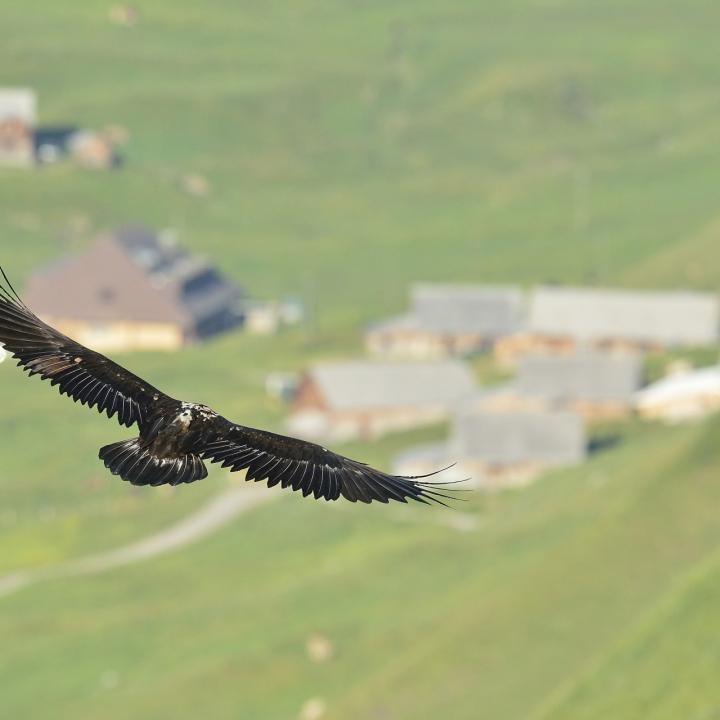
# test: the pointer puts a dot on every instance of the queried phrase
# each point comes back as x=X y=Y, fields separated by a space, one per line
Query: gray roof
x=591 y=376
x=666 y=318
x=487 y=310
x=504 y=438
x=369 y=385
x=18 y=104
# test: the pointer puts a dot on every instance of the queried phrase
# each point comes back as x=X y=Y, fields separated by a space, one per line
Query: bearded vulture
x=176 y=437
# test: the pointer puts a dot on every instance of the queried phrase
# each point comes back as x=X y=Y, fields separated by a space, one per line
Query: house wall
x=16 y=143
x=596 y=411
x=421 y=345
x=263 y=320
x=589 y=410
x=93 y=150
x=121 y=336
x=692 y=406
x=315 y=422
x=510 y=350
x=501 y=477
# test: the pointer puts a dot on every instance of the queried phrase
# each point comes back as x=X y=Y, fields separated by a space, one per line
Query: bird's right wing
x=83 y=374
x=313 y=469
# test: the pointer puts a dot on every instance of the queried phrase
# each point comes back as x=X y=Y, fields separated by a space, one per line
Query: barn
x=135 y=289
x=448 y=320
x=367 y=399
x=563 y=320
x=502 y=449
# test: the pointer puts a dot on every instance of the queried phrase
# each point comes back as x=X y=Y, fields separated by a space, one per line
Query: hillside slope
x=353 y=148
x=540 y=612
x=350 y=149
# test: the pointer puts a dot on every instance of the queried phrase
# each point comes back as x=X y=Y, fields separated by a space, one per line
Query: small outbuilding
x=681 y=396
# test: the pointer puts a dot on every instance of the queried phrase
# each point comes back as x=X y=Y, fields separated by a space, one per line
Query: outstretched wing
x=80 y=373
x=311 y=468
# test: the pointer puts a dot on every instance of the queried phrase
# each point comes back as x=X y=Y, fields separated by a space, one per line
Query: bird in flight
x=176 y=437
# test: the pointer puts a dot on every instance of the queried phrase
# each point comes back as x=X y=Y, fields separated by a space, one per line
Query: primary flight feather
x=176 y=437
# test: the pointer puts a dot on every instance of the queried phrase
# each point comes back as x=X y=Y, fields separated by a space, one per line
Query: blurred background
x=476 y=231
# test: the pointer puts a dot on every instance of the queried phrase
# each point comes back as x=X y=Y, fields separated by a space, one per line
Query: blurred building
x=24 y=144
x=268 y=317
x=447 y=320
x=681 y=396
x=595 y=385
x=502 y=449
x=94 y=150
x=561 y=320
x=17 y=127
x=368 y=399
x=281 y=385
x=135 y=290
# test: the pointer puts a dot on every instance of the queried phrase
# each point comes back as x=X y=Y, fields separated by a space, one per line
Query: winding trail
x=212 y=516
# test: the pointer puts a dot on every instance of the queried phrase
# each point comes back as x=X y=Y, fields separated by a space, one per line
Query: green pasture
x=591 y=594
x=352 y=148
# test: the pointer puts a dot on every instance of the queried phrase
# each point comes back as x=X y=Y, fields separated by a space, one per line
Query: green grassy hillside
x=353 y=148
x=589 y=595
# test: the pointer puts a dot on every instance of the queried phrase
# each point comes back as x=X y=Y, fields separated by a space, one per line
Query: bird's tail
x=135 y=463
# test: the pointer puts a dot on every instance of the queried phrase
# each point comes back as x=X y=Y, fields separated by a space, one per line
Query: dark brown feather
x=312 y=469
x=86 y=376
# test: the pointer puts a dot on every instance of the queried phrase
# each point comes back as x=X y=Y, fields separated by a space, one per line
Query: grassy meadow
x=351 y=149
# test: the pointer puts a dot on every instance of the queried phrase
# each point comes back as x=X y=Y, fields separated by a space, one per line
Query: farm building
x=93 y=150
x=135 y=290
x=368 y=399
x=268 y=317
x=593 y=384
x=681 y=396
x=24 y=144
x=502 y=449
x=17 y=127
x=447 y=320
x=561 y=320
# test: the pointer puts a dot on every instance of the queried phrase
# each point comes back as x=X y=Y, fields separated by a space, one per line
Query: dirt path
x=217 y=513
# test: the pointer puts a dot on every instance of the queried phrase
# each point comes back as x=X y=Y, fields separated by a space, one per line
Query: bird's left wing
x=312 y=469
x=82 y=374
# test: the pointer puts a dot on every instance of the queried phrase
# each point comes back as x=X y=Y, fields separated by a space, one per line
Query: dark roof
x=134 y=274
x=583 y=376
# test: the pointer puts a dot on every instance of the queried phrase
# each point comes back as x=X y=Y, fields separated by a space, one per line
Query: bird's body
x=169 y=447
x=176 y=437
